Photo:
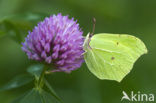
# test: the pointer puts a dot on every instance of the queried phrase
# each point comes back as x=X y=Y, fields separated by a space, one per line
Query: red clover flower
x=56 y=41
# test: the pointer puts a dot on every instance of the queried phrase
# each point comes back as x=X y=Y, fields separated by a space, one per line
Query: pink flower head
x=56 y=41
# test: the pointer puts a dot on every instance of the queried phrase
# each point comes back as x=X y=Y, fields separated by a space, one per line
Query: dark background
x=135 y=17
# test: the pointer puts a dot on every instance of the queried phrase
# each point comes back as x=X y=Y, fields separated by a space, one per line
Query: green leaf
x=35 y=70
x=48 y=98
x=53 y=93
x=112 y=56
x=31 y=17
x=18 y=99
x=17 y=26
x=16 y=82
x=36 y=96
x=9 y=28
x=32 y=97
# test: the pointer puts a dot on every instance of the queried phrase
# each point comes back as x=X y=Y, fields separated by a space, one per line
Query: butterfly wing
x=112 y=56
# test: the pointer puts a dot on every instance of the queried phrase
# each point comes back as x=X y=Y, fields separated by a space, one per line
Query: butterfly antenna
x=91 y=34
x=94 y=22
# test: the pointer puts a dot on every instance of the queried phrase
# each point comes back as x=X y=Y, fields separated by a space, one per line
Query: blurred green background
x=135 y=17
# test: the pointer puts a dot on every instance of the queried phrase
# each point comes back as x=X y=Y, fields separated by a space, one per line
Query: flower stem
x=41 y=78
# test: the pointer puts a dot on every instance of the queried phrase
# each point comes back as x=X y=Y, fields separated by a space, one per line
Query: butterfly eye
x=90 y=35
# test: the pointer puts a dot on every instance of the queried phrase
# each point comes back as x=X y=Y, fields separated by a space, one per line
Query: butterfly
x=112 y=56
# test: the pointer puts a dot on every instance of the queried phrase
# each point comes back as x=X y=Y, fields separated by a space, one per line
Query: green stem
x=41 y=78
